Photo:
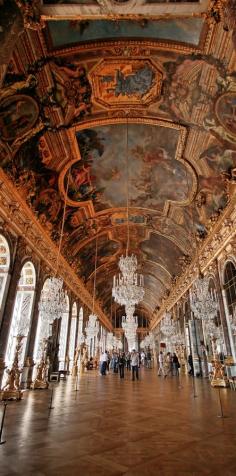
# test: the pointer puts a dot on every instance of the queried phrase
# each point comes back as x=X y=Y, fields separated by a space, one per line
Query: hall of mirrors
x=118 y=235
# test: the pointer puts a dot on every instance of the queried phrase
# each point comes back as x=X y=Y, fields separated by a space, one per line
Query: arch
x=22 y=313
x=5 y=259
x=63 y=336
x=72 y=340
x=43 y=330
x=80 y=326
x=230 y=285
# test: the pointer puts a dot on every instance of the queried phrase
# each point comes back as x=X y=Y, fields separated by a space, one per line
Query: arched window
x=4 y=268
x=22 y=313
x=72 y=335
x=230 y=286
x=80 y=326
x=43 y=331
x=63 y=336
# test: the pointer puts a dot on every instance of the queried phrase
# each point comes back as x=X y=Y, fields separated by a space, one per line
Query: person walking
x=190 y=363
x=176 y=364
x=169 y=364
x=128 y=360
x=134 y=364
x=103 y=361
x=149 y=359
x=161 y=370
x=121 y=363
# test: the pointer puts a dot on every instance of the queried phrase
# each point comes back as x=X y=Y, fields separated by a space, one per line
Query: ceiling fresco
x=155 y=176
x=168 y=88
x=65 y=32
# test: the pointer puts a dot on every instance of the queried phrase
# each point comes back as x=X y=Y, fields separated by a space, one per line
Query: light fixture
x=128 y=286
x=203 y=304
x=167 y=326
x=92 y=327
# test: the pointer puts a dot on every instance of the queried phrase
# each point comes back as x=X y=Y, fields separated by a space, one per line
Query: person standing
x=134 y=364
x=161 y=370
x=104 y=360
x=121 y=361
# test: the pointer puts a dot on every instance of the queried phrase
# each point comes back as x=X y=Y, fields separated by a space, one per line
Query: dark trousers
x=103 y=368
x=128 y=365
x=122 y=371
x=134 y=372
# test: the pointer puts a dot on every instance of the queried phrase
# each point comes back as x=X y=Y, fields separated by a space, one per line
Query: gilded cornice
x=15 y=211
x=223 y=231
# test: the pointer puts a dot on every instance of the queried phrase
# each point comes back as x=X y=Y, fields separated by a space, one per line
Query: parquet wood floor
x=113 y=427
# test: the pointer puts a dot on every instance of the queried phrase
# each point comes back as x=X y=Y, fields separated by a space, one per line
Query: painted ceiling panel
x=155 y=176
x=64 y=33
x=162 y=251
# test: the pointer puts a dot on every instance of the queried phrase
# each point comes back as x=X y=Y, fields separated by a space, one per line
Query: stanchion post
x=50 y=405
x=221 y=406
x=2 y=423
x=194 y=388
x=76 y=381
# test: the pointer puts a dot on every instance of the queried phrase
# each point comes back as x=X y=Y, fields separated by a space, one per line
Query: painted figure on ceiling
x=73 y=91
x=139 y=82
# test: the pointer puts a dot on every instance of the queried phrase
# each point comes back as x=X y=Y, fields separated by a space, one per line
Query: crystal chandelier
x=92 y=328
x=148 y=341
x=128 y=286
x=52 y=302
x=178 y=339
x=110 y=341
x=130 y=325
x=167 y=326
x=203 y=304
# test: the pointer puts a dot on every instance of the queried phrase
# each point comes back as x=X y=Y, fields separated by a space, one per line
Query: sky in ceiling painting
x=155 y=176
x=185 y=30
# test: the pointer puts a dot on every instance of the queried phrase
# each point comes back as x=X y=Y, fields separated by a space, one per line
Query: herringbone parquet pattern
x=113 y=427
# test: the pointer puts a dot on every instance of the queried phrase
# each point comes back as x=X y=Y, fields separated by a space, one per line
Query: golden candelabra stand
x=219 y=379
x=41 y=380
x=11 y=389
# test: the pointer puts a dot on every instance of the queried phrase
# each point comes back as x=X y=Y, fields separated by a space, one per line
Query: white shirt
x=104 y=357
x=134 y=359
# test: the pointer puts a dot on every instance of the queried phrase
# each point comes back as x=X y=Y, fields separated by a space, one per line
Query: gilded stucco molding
x=17 y=214
x=221 y=234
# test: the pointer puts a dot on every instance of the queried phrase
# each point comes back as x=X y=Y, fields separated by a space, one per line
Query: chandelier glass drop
x=203 y=304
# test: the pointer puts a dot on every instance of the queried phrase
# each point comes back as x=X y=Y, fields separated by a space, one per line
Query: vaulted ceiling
x=91 y=97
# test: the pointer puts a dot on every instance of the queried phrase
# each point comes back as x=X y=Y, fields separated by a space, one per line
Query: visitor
x=134 y=364
x=90 y=364
x=176 y=364
x=149 y=359
x=128 y=360
x=143 y=358
x=115 y=363
x=104 y=360
x=169 y=364
x=121 y=363
x=190 y=363
x=161 y=370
